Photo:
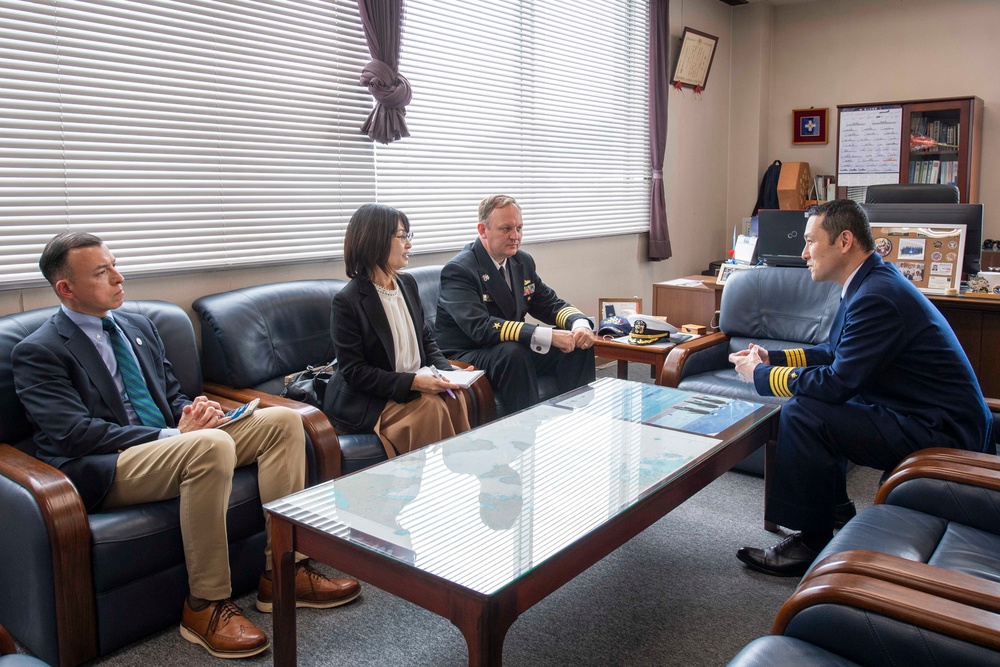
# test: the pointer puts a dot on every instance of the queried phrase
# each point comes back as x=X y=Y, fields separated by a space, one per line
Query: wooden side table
x=688 y=305
x=654 y=355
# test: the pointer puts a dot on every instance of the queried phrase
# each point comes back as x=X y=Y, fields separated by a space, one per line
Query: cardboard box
x=794 y=185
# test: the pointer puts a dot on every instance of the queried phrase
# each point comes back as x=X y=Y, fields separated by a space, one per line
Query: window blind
x=544 y=100
x=214 y=134
x=188 y=135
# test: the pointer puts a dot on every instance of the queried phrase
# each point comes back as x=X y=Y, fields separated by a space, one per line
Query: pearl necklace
x=385 y=291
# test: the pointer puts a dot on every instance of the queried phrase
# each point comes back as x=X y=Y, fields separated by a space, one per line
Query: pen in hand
x=438 y=375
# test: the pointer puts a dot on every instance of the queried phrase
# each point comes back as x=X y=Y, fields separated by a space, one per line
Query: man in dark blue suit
x=487 y=290
x=109 y=413
x=891 y=379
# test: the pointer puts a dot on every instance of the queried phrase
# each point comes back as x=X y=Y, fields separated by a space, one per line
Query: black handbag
x=309 y=386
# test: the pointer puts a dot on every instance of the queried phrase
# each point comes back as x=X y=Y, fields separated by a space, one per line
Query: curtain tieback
x=389 y=88
x=658 y=174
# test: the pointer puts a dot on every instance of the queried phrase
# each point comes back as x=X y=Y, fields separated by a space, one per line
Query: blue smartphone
x=244 y=410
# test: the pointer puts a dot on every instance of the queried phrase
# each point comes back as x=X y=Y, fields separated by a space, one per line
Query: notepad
x=460 y=377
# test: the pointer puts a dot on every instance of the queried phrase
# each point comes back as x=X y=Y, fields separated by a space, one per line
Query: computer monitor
x=779 y=237
x=970 y=215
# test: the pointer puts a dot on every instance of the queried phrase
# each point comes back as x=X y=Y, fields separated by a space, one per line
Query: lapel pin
x=486 y=278
x=138 y=341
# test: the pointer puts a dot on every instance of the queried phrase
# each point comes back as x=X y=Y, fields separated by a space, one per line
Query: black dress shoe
x=788 y=558
x=843 y=513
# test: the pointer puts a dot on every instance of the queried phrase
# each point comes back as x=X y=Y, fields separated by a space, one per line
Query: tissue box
x=794 y=185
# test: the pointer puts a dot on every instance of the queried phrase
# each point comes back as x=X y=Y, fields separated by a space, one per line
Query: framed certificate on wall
x=695 y=59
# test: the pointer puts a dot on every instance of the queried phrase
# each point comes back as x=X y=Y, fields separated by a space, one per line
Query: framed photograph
x=622 y=306
x=809 y=126
x=695 y=59
x=727 y=270
x=930 y=256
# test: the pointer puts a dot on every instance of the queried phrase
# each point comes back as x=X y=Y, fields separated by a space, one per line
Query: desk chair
x=911 y=193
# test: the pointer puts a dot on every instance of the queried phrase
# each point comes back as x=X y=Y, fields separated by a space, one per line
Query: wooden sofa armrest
x=948 y=584
x=486 y=408
x=891 y=600
x=673 y=366
x=66 y=521
x=7 y=646
x=326 y=444
x=962 y=456
x=940 y=469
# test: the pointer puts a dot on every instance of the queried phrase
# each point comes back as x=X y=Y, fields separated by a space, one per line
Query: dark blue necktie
x=135 y=385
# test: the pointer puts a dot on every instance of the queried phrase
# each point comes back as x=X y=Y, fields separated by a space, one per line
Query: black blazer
x=366 y=356
x=476 y=309
x=70 y=397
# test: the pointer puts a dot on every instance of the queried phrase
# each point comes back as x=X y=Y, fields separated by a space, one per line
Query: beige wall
x=860 y=51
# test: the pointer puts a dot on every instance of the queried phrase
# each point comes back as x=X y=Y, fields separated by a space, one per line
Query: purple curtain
x=659 y=89
x=383 y=21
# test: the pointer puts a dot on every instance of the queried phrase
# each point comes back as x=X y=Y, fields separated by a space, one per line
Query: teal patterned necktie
x=135 y=385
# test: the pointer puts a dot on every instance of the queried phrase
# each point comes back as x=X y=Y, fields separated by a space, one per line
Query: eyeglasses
x=403 y=236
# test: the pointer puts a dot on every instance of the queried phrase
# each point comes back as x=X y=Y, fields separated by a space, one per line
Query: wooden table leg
x=484 y=626
x=283 y=578
x=622 y=369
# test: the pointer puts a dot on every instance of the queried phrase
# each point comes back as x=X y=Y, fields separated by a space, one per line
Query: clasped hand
x=200 y=414
x=747 y=360
x=567 y=341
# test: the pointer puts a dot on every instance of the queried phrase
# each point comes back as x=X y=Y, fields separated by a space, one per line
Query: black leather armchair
x=911 y=193
x=255 y=336
x=74 y=585
x=774 y=307
x=853 y=619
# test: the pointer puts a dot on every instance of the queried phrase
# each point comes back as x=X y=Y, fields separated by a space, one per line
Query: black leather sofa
x=73 y=585
x=911 y=580
x=255 y=336
x=774 y=307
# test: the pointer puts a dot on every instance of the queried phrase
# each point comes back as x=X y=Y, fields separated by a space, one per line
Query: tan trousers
x=403 y=427
x=199 y=467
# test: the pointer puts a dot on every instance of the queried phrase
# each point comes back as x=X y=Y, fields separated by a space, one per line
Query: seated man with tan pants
x=109 y=413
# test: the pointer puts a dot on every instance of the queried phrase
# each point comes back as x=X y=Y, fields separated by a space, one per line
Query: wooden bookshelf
x=940 y=142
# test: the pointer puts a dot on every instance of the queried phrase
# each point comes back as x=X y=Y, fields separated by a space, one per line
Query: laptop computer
x=779 y=237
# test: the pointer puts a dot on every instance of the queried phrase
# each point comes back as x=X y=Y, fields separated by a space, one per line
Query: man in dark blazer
x=109 y=413
x=487 y=290
x=891 y=379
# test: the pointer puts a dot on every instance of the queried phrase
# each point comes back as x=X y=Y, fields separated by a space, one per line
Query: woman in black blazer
x=381 y=342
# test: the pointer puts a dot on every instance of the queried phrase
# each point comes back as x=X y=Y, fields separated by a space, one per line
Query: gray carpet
x=674 y=595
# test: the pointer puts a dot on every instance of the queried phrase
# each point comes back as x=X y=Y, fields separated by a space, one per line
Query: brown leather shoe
x=312 y=589
x=223 y=630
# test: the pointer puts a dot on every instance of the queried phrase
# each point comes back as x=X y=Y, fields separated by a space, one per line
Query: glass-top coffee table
x=481 y=527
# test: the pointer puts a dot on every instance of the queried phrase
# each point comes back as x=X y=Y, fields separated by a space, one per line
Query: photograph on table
x=622 y=306
x=727 y=270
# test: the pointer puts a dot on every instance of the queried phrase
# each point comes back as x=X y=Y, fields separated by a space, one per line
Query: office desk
x=688 y=305
x=976 y=321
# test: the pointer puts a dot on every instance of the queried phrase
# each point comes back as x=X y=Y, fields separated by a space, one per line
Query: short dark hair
x=842 y=215
x=494 y=202
x=369 y=238
x=53 y=259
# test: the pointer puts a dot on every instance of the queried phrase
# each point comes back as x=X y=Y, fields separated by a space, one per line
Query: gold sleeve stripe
x=564 y=315
x=795 y=357
x=778 y=380
x=510 y=331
